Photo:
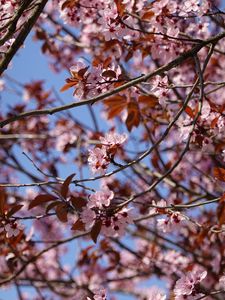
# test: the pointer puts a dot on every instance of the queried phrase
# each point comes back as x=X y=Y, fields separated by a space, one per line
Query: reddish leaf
x=96 y=61
x=189 y=111
x=149 y=100
x=133 y=117
x=219 y=173
x=201 y=236
x=115 y=105
x=81 y=72
x=40 y=199
x=65 y=4
x=14 y=210
x=155 y=161
x=40 y=34
x=96 y=230
x=120 y=7
x=52 y=205
x=44 y=47
x=109 y=73
x=68 y=85
x=78 y=225
x=61 y=212
x=115 y=111
x=214 y=122
x=147 y=15
x=65 y=186
x=69 y=4
x=78 y=202
x=14 y=240
x=107 y=62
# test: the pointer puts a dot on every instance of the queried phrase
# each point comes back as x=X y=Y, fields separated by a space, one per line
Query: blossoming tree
x=143 y=212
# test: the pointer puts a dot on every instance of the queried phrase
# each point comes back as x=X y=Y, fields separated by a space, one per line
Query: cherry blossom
x=113 y=139
x=186 y=285
x=101 y=198
x=191 y=5
x=172 y=221
x=12 y=229
x=99 y=158
x=88 y=217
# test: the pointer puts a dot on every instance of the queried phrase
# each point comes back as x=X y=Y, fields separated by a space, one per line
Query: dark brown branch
x=22 y=36
x=11 y=24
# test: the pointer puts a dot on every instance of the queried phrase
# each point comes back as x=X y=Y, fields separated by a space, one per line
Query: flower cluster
x=209 y=130
x=160 y=89
x=101 y=156
x=66 y=134
x=193 y=6
x=89 y=82
x=98 y=209
x=105 y=16
x=172 y=219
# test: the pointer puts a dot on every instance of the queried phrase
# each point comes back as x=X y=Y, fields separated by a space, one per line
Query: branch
x=11 y=24
x=174 y=63
x=22 y=36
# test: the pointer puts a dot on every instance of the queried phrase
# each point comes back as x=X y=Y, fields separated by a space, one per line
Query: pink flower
x=77 y=67
x=113 y=139
x=155 y=210
x=158 y=6
x=98 y=160
x=88 y=217
x=170 y=222
x=186 y=284
x=110 y=32
x=116 y=225
x=206 y=109
x=13 y=229
x=160 y=87
x=191 y=5
x=101 y=198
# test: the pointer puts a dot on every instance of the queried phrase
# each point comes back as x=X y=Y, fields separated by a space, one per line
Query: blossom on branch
x=187 y=284
x=100 y=157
